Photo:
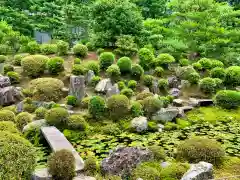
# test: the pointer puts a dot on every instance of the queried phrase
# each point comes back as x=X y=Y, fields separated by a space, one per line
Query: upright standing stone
x=77 y=87
x=4 y=81
x=103 y=85
x=155 y=88
x=90 y=74
x=113 y=90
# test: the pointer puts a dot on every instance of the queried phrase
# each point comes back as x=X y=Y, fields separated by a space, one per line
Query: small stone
x=90 y=74
x=174 y=92
x=166 y=114
x=41 y=174
x=160 y=127
x=139 y=124
x=178 y=102
x=173 y=82
x=165 y=164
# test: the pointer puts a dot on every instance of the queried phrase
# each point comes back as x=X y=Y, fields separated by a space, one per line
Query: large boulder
x=173 y=82
x=113 y=90
x=9 y=95
x=4 y=81
x=166 y=114
x=123 y=160
x=77 y=87
x=103 y=85
x=139 y=124
x=200 y=171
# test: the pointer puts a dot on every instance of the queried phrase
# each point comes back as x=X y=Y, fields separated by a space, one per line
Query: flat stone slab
x=58 y=141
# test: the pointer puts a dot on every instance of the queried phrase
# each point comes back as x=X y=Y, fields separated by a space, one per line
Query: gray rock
x=19 y=107
x=4 y=81
x=9 y=95
x=35 y=124
x=82 y=177
x=44 y=104
x=113 y=90
x=90 y=74
x=166 y=114
x=238 y=88
x=178 y=102
x=160 y=127
x=200 y=171
x=173 y=82
x=41 y=174
x=165 y=164
x=174 y=92
x=139 y=123
x=77 y=87
x=154 y=87
x=103 y=85
x=123 y=160
x=200 y=102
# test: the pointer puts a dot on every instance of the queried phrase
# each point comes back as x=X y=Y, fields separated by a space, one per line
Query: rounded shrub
x=158 y=153
x=165 y=101
x=61 y=165
x=132 y=84
x=217 y=63
x=77 y=122
x=18 y=156
x=118 y=106
x=193 y=78
x=55 y=65
x=3 y=59
x=90 y=46
x=151 y=105
x=40 y=113
x=23 y=119
x=62 y=48
x=121 y=85
x=197 y=66
x=77 y=61
x=95 y=80
x=164 y=59
x=233 y=76
x=148 y=80
x=6 y=115
x=80 y=50
x=113 y=72
x=8 y=126
x=205 y=63
x=227 y=99
x=136 y=109
x=106 y=59
x=18 y=58
x=207 y=85
x=184 y=62
x=90 y=166
x=71 y=100
x=78 y=69
x=96 y=106
x=14 y=77
x=183 y=72
x=163 y=84
x=146 y=58
x=143 y=95
x=29 y=107
x=111 y=129
x=92 y=65
x=7 y=68
x=199 y=149
x=219 y=83
x=33 y=47
x=34 y=65
x=159 y=71
x=127 y=92
x=100 y=51
x=57 y=117
x=125 y=64
x=85 y=102
x=218 y=72
x=46 y=89
x=48 y=49
x=137 y=71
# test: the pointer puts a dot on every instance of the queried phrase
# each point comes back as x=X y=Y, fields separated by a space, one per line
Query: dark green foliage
x=55 y=65
x=208 y=85
x=77 y=61
x=80 y=50
x=14 y=77
x=78 y=69
x=48 y=49
x=125 y=64
x=163 y=84
x=143 y=95
x=228 y=99
x=96 y=107
x=137 y=71
x=201 y=149
x=148 y=80
x=8 y=126
x=62 y=48
x=77 y=122
x=3 y=59
x=136 y=109
x=92 y=65
x=126 y=46
x=23 y=119
x=57 y=117
x=151 y=105
x=61 y=165
x=218 y=72
x=193 y=78
x=158 y=153
x=132 y=84
x=40 y=112
x=95 y=80
x=113 y=72
x=7 y=68
x=6 y=115
x=159 y=71
x=71 y=100
x=127 y=92
x=106 y=59
x=233 y=76
x=90 y=166
x=146 y=58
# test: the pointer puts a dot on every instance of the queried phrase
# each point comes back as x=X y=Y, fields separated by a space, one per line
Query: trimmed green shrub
x=95 y=80
x=148 y=80
x=46 y=89
x=61 y=165
x=193 y=78
x=90 y=166
x=111 y=129
x=164 y=59
x=48 y=49
x=197 y=66
x=92 y=65
x=184 y=62
x=118 y=106
x=207 y=85
x=170 y=126
x=163 y=84
x=219 y=83
x=136 y=109
x=34 y=65
x=71 y=100
x=8 y=126
x=233 y=76
x=14 y=77
x=165 y=101
x=10 y=108
x=3 y=59
x=159 y=71
x=18 y=156
x=32 y=47
x=96 y=107
x=183 y=72
x=227 y=99
x=146 y=58
x=78 y=69
x=57 y=117
x=29 y=107
x=132 y=84
x=80 y=50
x=113 y=72
x=158 y=153
x=77 y=122
x=218 y=72
x=137 y=71
x=201 y=149
x=90 y=46
x=7 y=68
x=18 y=58
x=23 y=119
x=125 y=46
x=85 y=102
x=62 y=48
x=100 y=51
x=77 y=61
x=106 y=59
x=125 y=64
x=55 y=65
x=217 y=63
x=5 y=49
x=143 y=95
x=127 y=92
x=151 y=105
x=205 y=63
x=40 y=112
x=6 y=115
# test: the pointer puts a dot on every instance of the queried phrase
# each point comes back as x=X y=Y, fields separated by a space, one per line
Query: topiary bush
x=77 y=122
x=14 y=77
x=7 y=68
x=48 y=49
x=205 y=63
x=136 y=109
x=3 y=59
x=148 y=80
x=197 y=66
x=233 y=76
x=125 y=64
x=159 y=71
x=151 y=105
x=113 y=72
x=55 y=65
x=40 y=113
x=132 y=84
x=90 y=166
x=62 y=48
x=95 y=80
x=78 y=70
x=34 y=65
x=184 y=62
x=96 y=107
x=165 y=101
x=218 y=72
x=106 y=59
x=163 y=84
x=85 y=102
x=216 y=63
x=61 y=165
x=227 y=99
x=207 y=85
x=198 y=149
x=158 y=153
x=92 y=65
x=137 y=71
x=118 y=106
x=77 y=61
x=164 y=60
x=71 y=100
x=193 y=77
x=127 y=92
x=125 y=46
x=90 y=46
x=8 y=126
x=143 y=95
x=18 y=58
x=32 y=47
x=7 y=115
x=80 y=50
x=18 y=156
x=46 y=89
x=23 y=119
x=146 y=58
x=57 y=117
x=183 y=72
x=100 y=51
